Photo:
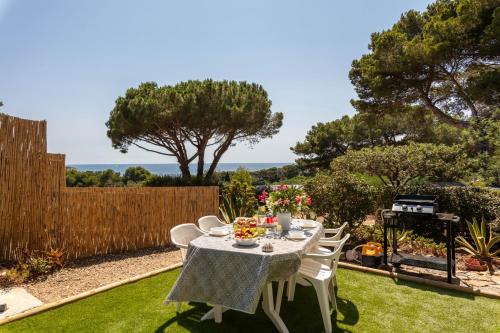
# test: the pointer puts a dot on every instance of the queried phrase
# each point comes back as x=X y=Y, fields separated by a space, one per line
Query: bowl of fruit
x=245 y=232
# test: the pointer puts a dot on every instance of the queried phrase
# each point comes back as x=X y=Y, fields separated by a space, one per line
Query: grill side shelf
x=419 y=261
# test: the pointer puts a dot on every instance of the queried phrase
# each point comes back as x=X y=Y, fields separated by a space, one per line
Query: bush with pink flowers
x=286 y=199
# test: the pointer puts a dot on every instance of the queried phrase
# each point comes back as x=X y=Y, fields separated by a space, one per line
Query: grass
x=367 y=303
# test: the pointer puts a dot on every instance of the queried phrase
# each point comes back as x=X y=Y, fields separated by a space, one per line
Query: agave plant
x=481 y=247
x=232 y=207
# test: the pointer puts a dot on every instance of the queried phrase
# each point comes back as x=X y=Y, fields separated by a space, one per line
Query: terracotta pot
x=474 y=264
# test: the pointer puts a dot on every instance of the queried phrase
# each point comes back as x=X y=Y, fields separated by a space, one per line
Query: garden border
x=71 y=299
x=434 y=283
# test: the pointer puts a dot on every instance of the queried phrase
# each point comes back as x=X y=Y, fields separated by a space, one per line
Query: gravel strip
x=89 y=273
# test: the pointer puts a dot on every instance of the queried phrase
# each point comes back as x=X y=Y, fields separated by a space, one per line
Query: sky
x=68 y=61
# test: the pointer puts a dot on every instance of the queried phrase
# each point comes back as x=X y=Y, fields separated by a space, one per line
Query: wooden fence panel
x=105 y=220
x=22 y=184
x=56 y=182
x=38 y=210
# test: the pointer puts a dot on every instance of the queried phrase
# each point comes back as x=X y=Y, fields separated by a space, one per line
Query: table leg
x=269 y=310
x=215 y=313
x=218 y=314
x=279 y=296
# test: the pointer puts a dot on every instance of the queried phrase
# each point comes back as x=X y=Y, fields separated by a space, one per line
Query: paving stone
x=18 y=300
x=491 y=289
x=496 y=279
x=481 y=277
x=478 y=283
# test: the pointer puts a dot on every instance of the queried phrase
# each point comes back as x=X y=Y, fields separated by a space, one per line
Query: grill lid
x=414 y=203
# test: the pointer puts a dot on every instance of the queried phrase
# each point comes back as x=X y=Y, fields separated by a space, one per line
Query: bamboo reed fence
x=38 y=211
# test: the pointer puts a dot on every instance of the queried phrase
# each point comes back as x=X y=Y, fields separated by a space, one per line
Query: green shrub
x=238 y=196
x=167 y=180
x=134 y=176
x=29 y=268
x=340 y=197
x=38 y=266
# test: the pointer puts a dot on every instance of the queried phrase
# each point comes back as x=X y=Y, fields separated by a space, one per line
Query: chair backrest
x=207 y=222
x=337 y=231
x=335 y=255
x=182 y=234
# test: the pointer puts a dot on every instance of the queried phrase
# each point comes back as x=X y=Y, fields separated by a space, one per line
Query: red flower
x=263 y=197
x=308 y=201
x=298 y=199
x=287 y=201
x=279 y=201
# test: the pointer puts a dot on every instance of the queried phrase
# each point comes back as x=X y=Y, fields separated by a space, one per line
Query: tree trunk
x=201 y=162
x=184 y=166
x=440 y=115
x=217 y=155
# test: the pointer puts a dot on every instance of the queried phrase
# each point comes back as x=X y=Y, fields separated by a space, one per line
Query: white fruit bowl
x=246 y=241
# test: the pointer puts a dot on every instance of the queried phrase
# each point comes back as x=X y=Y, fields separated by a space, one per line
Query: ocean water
x=173 y=168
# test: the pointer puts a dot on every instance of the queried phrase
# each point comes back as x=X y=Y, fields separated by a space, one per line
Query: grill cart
x=408 y=208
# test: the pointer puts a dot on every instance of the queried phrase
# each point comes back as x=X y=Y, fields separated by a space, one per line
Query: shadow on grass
x=301 y=315
x=441 y=291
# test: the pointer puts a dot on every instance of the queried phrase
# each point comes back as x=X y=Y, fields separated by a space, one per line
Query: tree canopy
x=105 y=178
x=445 y=60
x=189 y=118
x=397 y=165
x=326 y=141
x=135 y=175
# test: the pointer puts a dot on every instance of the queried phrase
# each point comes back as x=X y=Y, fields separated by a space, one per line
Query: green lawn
x=367 y=303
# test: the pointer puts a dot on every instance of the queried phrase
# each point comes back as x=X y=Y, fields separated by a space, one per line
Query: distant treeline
x=139 y=176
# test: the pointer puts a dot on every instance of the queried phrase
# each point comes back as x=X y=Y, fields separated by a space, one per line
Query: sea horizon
x=171 y=168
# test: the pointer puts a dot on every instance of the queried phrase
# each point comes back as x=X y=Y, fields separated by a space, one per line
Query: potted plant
x=475 y=264
x=286 y=201
x=481 y=247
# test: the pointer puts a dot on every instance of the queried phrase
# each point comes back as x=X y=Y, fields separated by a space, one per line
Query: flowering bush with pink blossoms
x=286 y=199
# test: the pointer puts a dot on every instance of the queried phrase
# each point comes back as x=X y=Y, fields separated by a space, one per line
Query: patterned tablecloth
x=217 y=271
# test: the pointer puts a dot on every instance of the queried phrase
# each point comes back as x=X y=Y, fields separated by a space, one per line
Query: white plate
x=311 y=226
x=246 y=241
x=218 y=234
x=296 y=238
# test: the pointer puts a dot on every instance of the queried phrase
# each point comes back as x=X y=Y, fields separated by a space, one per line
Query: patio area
x=366 y=302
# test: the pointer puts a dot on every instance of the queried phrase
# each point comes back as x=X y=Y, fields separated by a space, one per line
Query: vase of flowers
x=285 y=220
x=285 y=202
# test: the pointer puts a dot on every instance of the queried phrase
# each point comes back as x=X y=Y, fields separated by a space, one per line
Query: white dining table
x=219 y=272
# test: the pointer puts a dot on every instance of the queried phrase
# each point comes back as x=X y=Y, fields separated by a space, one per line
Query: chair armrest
x=335 y=230
x=316 y=256
x=331 y=239
x=329 y=242
x=331 y=231
x=181 y=246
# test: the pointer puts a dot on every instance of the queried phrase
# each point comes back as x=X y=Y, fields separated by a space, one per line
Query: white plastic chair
x=180 y=236
x=320 y=276
x=322 y=245
x=210 y=221
x=324 y=241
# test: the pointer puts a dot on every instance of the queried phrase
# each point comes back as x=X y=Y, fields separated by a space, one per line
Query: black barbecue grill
x=412 y=207
x=416 y=204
